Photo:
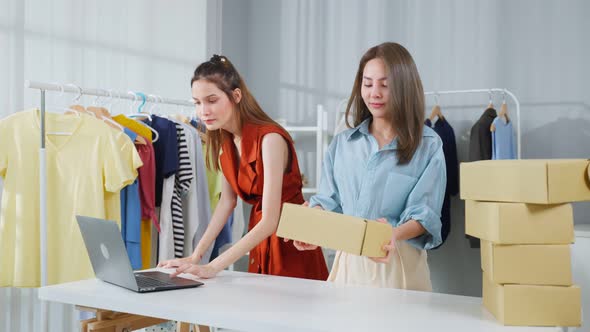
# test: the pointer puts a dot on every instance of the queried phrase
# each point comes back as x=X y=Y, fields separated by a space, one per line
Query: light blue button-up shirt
x=360 y=180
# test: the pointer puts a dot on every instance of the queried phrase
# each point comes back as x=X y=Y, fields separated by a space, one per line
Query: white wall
x=150 y=46
x=235 y=23
x=304 y=52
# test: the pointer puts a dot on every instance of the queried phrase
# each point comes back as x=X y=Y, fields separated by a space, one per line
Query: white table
x=252 y=302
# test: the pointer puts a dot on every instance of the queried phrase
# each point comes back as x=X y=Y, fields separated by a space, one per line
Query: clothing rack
x=44 y=87
x=490 y=92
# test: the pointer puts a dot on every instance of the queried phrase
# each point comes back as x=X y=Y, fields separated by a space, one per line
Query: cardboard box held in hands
x=334 y=230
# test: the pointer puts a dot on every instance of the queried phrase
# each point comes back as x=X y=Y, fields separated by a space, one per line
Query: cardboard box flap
x=565 y=179
x=376 y=235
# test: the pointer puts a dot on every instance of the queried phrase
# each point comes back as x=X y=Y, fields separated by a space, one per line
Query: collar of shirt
x=363 y=129
x=489 y=113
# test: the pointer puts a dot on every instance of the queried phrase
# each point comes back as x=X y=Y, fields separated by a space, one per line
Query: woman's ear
x=237 y=94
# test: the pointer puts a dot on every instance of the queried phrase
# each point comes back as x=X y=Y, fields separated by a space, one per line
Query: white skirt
x=407 y=269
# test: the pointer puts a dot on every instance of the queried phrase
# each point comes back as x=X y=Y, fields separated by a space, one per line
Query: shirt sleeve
x=170 y=161
x=328 y=196
x=485 y=142
x=452 y=163
x=120 y=162
x=425 y=201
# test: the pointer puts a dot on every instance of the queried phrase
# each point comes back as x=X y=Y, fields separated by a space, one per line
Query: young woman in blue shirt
x=388 y=167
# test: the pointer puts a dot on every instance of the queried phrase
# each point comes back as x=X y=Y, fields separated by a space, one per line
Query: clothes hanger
x=138 y=114
x=76 y=100
x=504 y=108
x=101 y=113
x=503 y=112
x=138 y=139
x=97 y=109
x=67 y=111
x=155 y=107
x=435 y=111
x=181 y=115
x=491 y=102
x=154 y=103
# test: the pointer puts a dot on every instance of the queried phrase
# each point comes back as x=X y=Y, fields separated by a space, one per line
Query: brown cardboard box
x=531 y=264
x=530 y=305
x=540 y=181
x=519 y=223
x=334 y=230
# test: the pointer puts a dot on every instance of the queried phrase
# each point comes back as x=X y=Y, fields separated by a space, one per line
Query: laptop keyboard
x=145 y=282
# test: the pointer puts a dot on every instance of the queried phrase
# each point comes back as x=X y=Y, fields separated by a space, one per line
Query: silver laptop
x=111 y=264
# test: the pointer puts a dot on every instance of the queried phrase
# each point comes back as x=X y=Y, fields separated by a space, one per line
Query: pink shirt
x=147 y=182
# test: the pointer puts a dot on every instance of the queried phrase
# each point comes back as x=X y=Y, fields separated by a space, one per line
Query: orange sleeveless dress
x=246 y=176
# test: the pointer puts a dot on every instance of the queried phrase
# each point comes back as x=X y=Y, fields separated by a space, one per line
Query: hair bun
x=218 y=58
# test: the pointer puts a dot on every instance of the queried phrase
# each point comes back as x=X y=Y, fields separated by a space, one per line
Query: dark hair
x=221 y=72
x=406 y=97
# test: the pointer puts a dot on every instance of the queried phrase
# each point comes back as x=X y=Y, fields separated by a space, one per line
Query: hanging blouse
x=81 y=169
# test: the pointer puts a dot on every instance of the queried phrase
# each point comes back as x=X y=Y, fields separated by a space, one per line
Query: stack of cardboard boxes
x=520 y=210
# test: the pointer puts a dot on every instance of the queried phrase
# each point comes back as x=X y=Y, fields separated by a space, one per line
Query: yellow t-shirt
x=82 y=170
x=134 y=125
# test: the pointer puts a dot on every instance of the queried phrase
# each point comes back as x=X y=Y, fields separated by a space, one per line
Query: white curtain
x=141 y=45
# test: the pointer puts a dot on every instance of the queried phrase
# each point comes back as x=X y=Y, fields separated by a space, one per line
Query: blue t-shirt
x=131 y=218
x=503 y=140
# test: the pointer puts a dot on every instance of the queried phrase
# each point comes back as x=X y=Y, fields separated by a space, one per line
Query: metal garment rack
x=43 y=88
x=490 y=92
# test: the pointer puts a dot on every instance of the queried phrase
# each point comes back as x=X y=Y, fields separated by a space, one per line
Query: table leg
x=202 y=328
x=183 y=327
x=109 y=321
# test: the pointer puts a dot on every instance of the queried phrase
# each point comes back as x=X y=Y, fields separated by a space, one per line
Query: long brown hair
x=406 y=97
x=221 y=72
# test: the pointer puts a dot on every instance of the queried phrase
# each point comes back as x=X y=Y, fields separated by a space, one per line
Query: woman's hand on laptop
x=202 y=271
x=176 y=262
